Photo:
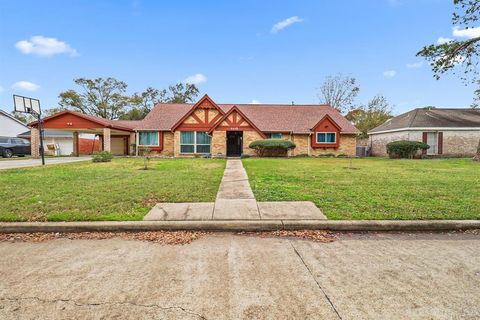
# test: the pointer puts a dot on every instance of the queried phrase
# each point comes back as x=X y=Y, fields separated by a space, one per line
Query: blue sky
x=231 y=48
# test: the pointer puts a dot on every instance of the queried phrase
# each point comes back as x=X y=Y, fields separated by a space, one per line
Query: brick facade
x=219 y=143
x=455 y=142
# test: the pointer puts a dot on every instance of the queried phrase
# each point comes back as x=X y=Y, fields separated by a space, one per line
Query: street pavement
x=241 y=276
x=23 y=163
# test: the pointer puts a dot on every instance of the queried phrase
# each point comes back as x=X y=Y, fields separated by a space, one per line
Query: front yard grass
x=117 y=190
x=375 y=189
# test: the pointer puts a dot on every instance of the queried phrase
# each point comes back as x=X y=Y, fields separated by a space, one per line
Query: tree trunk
x=477 y=155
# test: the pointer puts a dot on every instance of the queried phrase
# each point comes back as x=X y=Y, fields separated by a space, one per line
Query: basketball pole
x=40 y=129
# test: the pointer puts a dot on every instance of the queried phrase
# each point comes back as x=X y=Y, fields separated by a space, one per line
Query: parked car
x=10 y=147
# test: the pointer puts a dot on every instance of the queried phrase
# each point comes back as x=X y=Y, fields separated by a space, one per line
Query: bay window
x=194 y=142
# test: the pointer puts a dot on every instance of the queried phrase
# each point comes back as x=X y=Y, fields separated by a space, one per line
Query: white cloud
x=44 y=47
x=443 y=40
x=415 y=65
x=285 y=23
x=390 y=73
x=466 y=33
x=26 y=86
x=196 y=79
x=255 y=102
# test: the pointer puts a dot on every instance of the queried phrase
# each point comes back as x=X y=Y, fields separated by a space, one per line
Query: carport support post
x=75 y=144
x=35 y=142
x=131 y=141
x=107 y=144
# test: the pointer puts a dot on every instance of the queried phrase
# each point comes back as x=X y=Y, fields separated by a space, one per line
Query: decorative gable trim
x=236 y=124
x=205 y=103
x=327 y=125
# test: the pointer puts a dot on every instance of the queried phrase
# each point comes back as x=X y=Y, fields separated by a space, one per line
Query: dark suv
x=10 y=147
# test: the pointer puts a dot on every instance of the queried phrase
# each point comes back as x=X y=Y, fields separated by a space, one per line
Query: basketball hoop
x=31 y=106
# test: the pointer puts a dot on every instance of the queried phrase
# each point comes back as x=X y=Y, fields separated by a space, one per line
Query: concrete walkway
x=235 y=201
x=23 y=163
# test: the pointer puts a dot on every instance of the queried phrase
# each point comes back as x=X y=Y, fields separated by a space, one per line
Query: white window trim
x=318 y=142
x=149 y=145
x=194 y=144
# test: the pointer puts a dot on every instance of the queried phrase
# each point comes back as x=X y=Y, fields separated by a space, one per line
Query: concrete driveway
x=225 y=276
x=22 y=163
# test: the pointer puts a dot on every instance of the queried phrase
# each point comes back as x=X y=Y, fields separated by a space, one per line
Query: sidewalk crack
x=315 y=279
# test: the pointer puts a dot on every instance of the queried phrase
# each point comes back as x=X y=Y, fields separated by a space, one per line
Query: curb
x=240 y=225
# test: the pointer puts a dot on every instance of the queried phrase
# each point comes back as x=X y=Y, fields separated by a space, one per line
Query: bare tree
x=339 y=91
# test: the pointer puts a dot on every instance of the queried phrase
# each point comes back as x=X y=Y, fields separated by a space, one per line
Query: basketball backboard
x=26 y=105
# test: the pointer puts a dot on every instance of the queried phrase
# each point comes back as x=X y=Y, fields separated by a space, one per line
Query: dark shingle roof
x=432 y=118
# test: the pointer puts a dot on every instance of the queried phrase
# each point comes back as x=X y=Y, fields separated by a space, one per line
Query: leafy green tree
x=99 y=97
x=181 y=93
x=456 y=54
x=23 y=117
x=339 y=91
x=142 y=103
x=376 y=112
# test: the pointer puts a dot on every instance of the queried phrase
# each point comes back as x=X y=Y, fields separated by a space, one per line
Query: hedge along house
x=184 y=130
x=448 y=132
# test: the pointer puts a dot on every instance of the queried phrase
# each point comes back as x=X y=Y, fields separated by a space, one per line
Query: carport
x=116 y=136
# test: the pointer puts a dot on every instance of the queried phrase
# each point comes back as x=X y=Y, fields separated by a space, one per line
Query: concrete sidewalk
x=225 y=276
x=24 y=163
x=235 y=201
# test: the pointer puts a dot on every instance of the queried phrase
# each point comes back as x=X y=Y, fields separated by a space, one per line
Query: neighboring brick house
x=222 y=129
x=448 y=132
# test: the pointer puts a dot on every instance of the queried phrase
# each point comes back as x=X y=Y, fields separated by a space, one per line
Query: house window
x=148 y=138
x=326 y=137
x=194 y=142
x=274 y=135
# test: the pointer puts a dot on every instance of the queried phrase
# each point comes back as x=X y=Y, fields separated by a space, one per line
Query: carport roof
x=126 y=125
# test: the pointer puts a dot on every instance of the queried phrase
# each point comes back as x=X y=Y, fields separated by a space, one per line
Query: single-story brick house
x=217 y=129
x=448 y=132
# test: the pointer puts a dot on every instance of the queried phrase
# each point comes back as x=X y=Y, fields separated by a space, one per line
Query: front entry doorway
x=234 y=143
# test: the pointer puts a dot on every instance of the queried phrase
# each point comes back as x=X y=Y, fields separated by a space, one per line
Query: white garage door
x=118 y=146
x=66 y=146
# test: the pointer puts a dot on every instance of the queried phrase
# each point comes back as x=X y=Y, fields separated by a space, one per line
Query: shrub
x=405 y=149
x=102 y=156
x=244 y=156
x=272 y=147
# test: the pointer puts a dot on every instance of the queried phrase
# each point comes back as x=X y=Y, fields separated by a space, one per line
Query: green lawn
x=376 y=189
x=118 y=190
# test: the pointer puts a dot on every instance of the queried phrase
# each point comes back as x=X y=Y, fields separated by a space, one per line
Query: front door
x=234 y=143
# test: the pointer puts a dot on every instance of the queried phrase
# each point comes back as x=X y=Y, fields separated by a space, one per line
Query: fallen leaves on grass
x=150 y=201
x=313 y=235
x=161 y=237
